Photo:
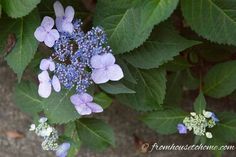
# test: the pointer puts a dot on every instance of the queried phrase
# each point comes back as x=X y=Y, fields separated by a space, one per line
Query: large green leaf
x=115 y=88
x=19 y=8
x=58 y=107
x=220 y=80
x=226 y=128
x=199 y=103
x=165 y=121
x=164 y=44
x=213 y=19
x=150 y=90
x=26 y=44
x=129 y=23
x=95 y=134
x=27 y=98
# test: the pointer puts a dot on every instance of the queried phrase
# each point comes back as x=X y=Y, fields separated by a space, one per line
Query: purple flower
x=84 y=105
x=45 y=84
x=46 y=64
x=105 y=69
x=182 y=128
x=45 y=33
x=64 y=18
x=214 y=117
x=62 y=150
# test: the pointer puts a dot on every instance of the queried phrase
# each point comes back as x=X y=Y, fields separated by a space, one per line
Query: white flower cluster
x=199 y=123
x=49 y=134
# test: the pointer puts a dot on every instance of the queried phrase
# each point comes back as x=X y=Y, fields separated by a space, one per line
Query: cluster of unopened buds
x=50 y=137
x=78 y=60
x=199 y=123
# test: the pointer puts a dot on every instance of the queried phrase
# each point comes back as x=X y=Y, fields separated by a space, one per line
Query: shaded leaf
x=220 y=80
x=95 y=134
x=199 y=103
x=164 y=44
x=115 y=88
x=102 y=99
x=27 y=98
x=19 y=8
x=26 y=45
x=150 y=90
x=129 y=23
x=59 y=109
x=213 y=19
x=165 y=121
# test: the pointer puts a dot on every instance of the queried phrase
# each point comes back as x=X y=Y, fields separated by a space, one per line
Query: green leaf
x=199 y=103
x=129 y=23
x=19 y=8
x=177 y=64
x=26 y=44
x=150 y=90
x=102 y=99
x=115 y=88
x=164 y=44
x=220 y=80
x=27 y=98
x=174 y=89
x=164 y=122
x=95 y=134
x=226 y=128
x=59 y=109
x=213 y=19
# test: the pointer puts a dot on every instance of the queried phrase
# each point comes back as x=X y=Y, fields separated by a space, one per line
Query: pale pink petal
x=49 y=40
x=40 y=34
x=85 y=97
x=55 y=34
x=108 y=59
x=96 y=62
x=99 y=76
x=44 y=77
x=59 y=22
x=95 y=107
x=44 y=89
x=44 y=64
x=56 y=84
x=47 y=23
x=58 y=8
x=67 y=27
x=69 y=13
x=75 y=99
x=114 y=72
x=83 y=109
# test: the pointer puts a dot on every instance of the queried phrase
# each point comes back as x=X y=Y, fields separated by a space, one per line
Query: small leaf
x=102 y=99
x=199 y=103
x=95 y=134
x=59 y=109
x=26 y=44
x=179 y=63
x=165 y=121
x=220 y=80
x=115 y=88
x=27 y=98
x=164 y=44
x=129 y=23
x=19 y=8
x=212 y=19
x=150 y=90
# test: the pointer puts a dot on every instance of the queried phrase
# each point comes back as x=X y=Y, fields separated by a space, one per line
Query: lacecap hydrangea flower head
x=79 y=59
x=200 y=124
